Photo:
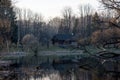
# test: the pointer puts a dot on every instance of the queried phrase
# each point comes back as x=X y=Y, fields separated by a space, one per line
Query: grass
x=51 y=48
x=40 y=48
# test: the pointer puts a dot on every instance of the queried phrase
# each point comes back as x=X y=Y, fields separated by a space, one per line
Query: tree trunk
x=7 y=44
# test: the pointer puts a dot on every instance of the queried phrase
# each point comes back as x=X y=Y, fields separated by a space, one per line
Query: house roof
x=63 y=37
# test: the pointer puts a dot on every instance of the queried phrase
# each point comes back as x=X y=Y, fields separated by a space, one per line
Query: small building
x=63 y=39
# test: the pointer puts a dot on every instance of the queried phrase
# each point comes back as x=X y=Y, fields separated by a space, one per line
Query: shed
x=63 y=39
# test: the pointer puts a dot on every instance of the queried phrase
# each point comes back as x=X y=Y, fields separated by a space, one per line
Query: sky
x=53 y=8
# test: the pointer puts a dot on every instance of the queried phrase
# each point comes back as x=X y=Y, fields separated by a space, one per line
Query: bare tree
x=114 y=6
x=19 y=23
x=85 y=12
x=55 y=23
x=67 y=17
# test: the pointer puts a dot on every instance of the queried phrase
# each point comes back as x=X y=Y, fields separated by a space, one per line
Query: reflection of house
x=63 y=39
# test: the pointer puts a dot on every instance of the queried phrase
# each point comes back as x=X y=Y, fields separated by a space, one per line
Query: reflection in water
x=49 y=74
x=56 y=75
x=52 y=76
x=44 y=78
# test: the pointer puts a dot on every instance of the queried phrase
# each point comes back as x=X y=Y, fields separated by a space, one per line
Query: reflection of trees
x=104 y=65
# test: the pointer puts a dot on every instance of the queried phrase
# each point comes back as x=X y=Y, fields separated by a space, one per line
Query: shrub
x=105 y=35
x=29 y=41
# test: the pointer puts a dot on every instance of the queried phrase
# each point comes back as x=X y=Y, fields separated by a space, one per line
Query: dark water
x=49 y=72
x=55 y=75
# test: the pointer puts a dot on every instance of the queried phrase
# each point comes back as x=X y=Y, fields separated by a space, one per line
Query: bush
x=105 y=35
x=29 y=41
x=84 y=41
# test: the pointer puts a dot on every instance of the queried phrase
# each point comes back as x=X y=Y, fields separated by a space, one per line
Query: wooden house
x=63 y=39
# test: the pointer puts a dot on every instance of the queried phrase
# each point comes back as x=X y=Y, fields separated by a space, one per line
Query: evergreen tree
x=95 y=22
x=8 y=27
x=76 y=29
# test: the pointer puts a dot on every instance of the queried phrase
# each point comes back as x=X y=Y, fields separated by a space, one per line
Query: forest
x=83 y=46
x=24 y=28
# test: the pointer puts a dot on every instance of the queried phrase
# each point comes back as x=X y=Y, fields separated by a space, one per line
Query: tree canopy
x=8 y=27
